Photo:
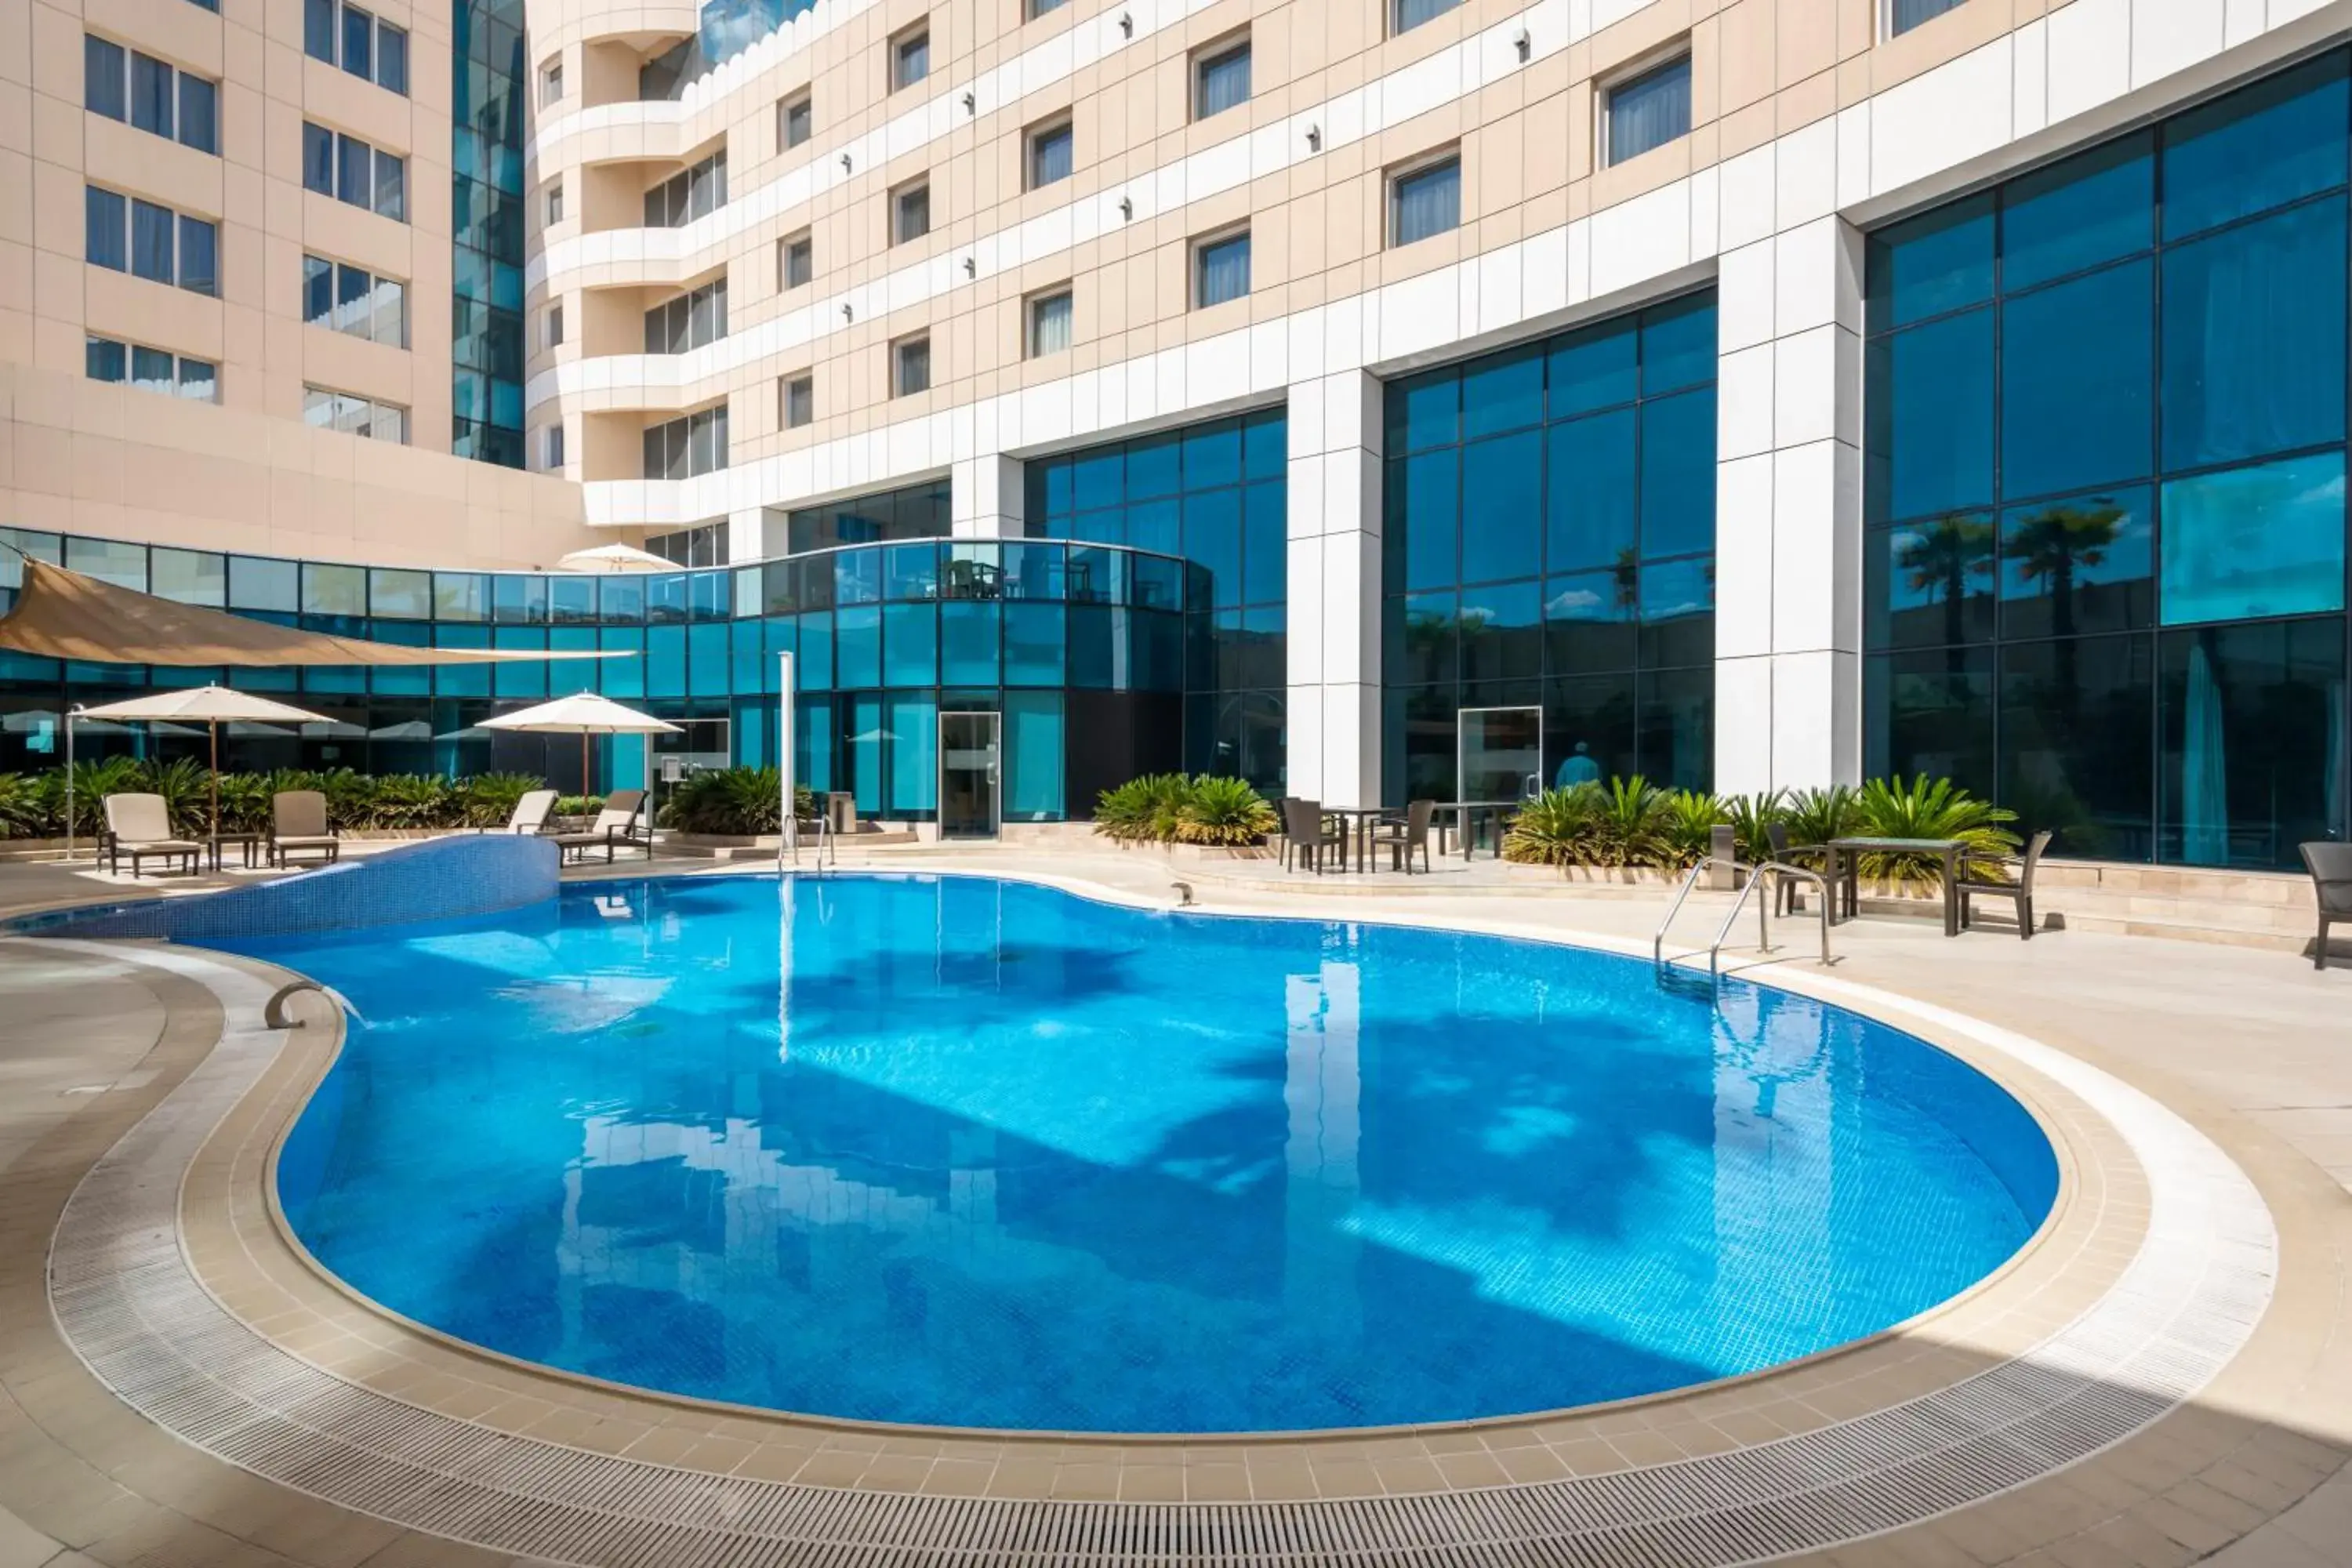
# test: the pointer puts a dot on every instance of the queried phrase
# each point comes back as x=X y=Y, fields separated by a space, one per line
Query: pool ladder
x=1756 y=876
x=828 y=849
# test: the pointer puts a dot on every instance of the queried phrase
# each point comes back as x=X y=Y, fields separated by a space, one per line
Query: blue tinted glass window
x=1930 y=584
x=1152 y=525
x=417 y=679
x=1266 y=543
x=1033 y=755
x=2075 y=380
x=2265 y=541
x=1505 y=393
x=2259 y=147
x=1432 y=491
x=1212 y=455
x=1596 y=368
x=1678 y=474
x=1678 y=612
x=1678 y=345
x=1154 y=468
x=709 y=658
x=968 y=634
x=1502 y=631
x=1589 y=620
x=2090 y=208
x=105 y=221
x=1265 y=448
x=857 y=577
x=1426 y=203
x=1033 y=645
x=1427 y=648
x=1502 y=508
x=911 y=645
x=666 y=662
x=857 y=646
x=1212 y=539
x=2254 y=339
x=1589 y=511
x=1937 y=262
x=912 y=572
x=2086 y=563
x=1426 y=412
x=621 y=677
x=1931 y=429
x=1099 y=478
x=1650 y=110
x=813 y=669
x=913 y=729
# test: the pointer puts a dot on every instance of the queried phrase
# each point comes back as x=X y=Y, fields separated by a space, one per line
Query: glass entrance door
x=1501 y=753
x=969 y=775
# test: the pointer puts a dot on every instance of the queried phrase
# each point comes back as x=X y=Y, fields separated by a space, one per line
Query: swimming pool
x=967 y=1152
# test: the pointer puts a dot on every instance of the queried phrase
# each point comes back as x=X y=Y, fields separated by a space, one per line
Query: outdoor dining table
x=1468 y=814
x=1365 y=818
x=1948 y=849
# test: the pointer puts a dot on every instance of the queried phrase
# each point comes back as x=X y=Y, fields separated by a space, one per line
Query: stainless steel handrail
x=825 y=841
x=1757 y=874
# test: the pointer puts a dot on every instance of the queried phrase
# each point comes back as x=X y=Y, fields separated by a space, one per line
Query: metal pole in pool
x=789 y=839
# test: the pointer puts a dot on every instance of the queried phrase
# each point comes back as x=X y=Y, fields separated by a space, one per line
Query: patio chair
x=530 y=813
x=140 y=825
x=622 y=821
x=1789 y=897
x=1404 y=835
x=1306 y=834
x=2330 y=865
x=2019 y=892
x=297 y=822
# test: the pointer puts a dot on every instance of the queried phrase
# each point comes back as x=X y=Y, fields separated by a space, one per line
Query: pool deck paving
x=2244 y=1056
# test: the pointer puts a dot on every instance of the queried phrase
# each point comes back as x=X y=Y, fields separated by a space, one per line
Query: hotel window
x=1041 y=7
x=1406 y=15
x=1425 y=201
x=556 y=325
x=910 y=57
x=350 y=301
x=799 y=400
x=362 y=43
x=692 y=319
x=1221 y=80
x=127 y=235
x=550 y=90
x=1050 y=150
x=794 y=123
x=795 y=261
x=911 y=211
x=348 y=170
x=1902 y=16
x=151 y=95
x=689 y=446
x=553 y=453
x=354 y=416
x=688 y=195
x=1221 y=270
x=1646 y=110
x=152 y=370
x=910 y=366
x=1049 y=324
x=554 y=203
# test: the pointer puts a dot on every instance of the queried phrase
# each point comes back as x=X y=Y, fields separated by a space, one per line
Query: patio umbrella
x=585 y=714
x=211 y=706
x=616 y=558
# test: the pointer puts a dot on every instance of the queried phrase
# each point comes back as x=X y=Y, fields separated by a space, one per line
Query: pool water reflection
x=972 y=1152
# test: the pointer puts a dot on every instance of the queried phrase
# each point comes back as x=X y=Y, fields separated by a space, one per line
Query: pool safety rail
x=1757 y=877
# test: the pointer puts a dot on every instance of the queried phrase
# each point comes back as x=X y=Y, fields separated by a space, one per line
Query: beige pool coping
x=2266 y=1434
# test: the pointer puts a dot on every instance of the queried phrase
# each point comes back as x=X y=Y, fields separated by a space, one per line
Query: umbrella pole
x=212 y=824
x=584 y=790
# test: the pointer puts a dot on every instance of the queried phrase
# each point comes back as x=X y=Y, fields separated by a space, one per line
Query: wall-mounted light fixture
x=1315 y=139
x=1127 y=209
x=971 y=268
x=1526 y=44
x=845 y=163
x=1127 y=23
x=846 y=313
x=971 y=103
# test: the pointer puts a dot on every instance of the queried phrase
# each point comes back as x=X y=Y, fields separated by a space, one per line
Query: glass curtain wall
x=1080 y=649
x=1218 y=495
x=1549 y=542
x=486 y=199
x=2105 y=570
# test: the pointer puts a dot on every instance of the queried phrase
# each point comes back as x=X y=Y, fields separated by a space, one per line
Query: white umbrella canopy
x=211 y=706
x=584 y=713
x=616 y=558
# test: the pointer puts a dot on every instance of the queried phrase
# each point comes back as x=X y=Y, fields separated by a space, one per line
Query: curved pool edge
x=2019 y=1089
x=2249 y=1249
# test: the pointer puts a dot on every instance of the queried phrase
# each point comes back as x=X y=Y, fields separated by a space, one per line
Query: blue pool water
x=966 y=1152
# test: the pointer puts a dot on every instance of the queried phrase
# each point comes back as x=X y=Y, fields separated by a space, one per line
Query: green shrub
x=579 y=805
x=1223 y=811
x=1687 y=819
x=1557 y=827
x=1750 y=816
x=419 y=800
x=735 y=802
x=1142 y=810
x=488 y=800
x=1937 y=808
x=1818 y=816
x=24 y=813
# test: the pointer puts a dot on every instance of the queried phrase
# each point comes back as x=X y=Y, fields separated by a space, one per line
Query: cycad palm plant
x=1557 y=827
x=1632 y=822
x=1752 y=817
x=1223 y=811
x=1141 y=809
x=1932 y=808
x=1686 y=822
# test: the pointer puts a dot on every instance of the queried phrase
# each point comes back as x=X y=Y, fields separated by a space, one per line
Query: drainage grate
x=126 y=1300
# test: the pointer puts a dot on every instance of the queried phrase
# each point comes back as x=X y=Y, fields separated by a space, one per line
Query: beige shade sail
x=63 y=615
